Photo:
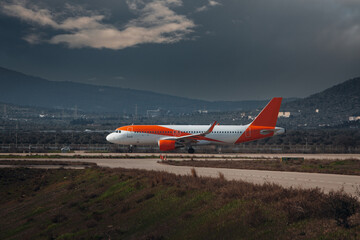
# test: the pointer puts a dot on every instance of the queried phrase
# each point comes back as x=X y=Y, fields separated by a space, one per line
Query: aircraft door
x=129 y=132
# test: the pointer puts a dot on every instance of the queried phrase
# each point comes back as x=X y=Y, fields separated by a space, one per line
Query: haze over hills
x=332 y=106
x=22 y=89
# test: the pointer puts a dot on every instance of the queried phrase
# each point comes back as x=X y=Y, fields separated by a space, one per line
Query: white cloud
x=35 y=15
x=211 y=3
x=156 y=23
x=33 y=38
x=202 y=8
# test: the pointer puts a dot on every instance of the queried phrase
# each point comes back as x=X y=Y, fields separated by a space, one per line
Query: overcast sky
x=205 y=49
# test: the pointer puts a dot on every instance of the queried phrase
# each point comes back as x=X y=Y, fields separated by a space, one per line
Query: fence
x=242 y=148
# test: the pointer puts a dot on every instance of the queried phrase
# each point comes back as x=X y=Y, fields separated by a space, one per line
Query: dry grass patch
x=348 y=166
x=100 y=203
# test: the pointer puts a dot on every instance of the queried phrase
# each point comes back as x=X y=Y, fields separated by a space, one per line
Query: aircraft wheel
x=131 y=149
x=191 y=150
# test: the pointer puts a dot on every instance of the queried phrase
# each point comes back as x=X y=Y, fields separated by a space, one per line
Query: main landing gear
x=131 y=149
x=191 y=150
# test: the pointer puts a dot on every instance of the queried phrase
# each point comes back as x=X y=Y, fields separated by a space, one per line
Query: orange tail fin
x=268 y=116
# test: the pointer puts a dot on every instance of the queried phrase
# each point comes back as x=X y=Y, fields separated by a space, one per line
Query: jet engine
x=168 y=145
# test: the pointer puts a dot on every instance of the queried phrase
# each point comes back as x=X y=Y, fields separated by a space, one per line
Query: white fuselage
x=221 y=134
x=170 y=137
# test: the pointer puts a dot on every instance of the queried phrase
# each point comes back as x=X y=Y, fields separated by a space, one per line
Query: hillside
x=21 y=89
x=98 y=203
x=334 y=105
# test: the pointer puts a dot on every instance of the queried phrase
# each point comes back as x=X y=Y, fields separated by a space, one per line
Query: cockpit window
x=118 y=131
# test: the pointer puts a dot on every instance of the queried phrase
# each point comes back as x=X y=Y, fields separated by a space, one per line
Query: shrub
x=194 y=173
x=59 y=218
x=221 y=176
x=343 y=206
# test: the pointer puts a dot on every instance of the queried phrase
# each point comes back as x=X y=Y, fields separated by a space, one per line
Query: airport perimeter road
x=327 y=182
x=173 y=156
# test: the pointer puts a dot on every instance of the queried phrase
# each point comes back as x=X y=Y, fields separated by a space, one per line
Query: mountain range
x=332 y=106
x=22 y=89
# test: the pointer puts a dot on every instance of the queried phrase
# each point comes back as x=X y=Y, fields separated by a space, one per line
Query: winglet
x=268 y=116
x=210 y=129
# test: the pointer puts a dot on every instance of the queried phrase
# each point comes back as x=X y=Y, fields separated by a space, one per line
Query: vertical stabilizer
x=268 y=116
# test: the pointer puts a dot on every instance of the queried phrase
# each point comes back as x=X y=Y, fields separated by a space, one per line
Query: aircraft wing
x=192 y=137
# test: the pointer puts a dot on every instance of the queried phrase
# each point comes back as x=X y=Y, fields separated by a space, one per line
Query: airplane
x=171 y=137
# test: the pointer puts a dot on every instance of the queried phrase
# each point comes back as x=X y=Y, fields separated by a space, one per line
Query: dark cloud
x=229 y=50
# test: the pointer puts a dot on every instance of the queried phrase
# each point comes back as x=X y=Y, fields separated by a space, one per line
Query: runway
x=326 y=182
x=250 y=156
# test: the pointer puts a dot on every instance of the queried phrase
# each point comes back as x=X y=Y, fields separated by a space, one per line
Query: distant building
x=284 y=114
x=154 y=113
x=202 y=111
x=317 y=110
x=354 y=118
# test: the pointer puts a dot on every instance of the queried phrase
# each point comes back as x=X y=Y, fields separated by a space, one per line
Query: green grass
x=37 y=211
x=348 y=166
x=17 y=230
x=98 y=203
x=121 y=189
x=75 y=235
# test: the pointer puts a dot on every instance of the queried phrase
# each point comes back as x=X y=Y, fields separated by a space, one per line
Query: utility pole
x=16 y=135
x=75 y=112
